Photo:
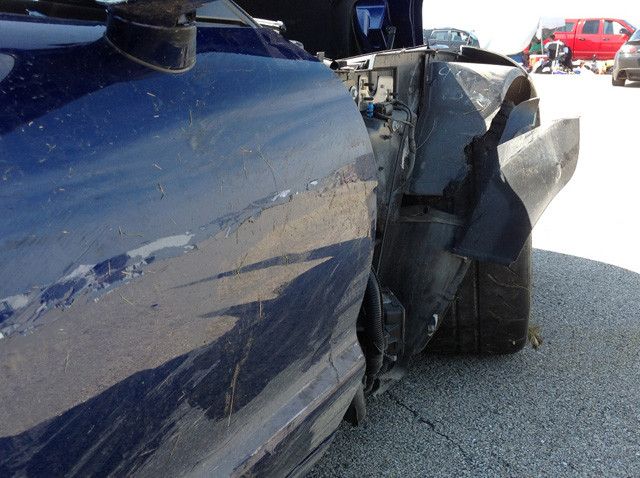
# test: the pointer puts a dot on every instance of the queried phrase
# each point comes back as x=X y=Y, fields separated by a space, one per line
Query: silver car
x=627 y=61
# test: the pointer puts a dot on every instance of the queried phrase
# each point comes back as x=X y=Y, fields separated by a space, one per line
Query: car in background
x=594 y=38
x=626 y=64
x=449 y=38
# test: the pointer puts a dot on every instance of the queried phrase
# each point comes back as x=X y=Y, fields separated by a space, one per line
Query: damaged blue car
x=225 y=225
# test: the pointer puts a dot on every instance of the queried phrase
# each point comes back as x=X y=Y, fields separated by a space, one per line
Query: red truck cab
x=601 y=37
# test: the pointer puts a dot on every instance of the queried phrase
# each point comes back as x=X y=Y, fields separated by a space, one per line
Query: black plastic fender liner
x=422 y=271
x=527 y=173
x=523 y=118
x=459 y=102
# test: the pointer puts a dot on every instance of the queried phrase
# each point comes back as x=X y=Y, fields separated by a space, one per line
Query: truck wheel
x=615 y=82
x=490 y=314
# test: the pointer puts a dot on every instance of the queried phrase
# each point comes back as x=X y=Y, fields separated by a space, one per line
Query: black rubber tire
x=490 y=314
x=615 y=82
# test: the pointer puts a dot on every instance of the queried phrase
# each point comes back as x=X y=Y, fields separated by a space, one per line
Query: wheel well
x=520 y=90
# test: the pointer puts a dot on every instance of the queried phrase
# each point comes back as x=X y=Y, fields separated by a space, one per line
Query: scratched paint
x=129 y=326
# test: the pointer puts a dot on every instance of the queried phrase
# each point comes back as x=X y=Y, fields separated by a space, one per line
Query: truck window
x=612 y=27
x=591 y=27
x=568 y=26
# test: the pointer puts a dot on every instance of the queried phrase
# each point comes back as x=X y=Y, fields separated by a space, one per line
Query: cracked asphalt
x=573 y=407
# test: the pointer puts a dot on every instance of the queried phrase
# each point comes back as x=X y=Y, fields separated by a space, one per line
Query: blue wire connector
x=370 y=110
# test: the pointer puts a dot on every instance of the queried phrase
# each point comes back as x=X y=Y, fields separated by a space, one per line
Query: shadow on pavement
x=570 y=409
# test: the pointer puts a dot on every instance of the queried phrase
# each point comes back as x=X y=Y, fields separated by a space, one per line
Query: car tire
x=615 y=82
x=490 y=314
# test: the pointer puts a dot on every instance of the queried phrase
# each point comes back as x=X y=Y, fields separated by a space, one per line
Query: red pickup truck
x=601 y=37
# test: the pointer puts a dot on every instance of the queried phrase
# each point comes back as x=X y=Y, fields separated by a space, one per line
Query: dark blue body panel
x=183 y=256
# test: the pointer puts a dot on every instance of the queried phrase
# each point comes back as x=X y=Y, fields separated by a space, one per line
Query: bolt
x=433 y=324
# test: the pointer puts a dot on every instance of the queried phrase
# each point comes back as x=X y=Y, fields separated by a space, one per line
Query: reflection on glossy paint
x=156 y=327
x=159 y=310
x=6 y=65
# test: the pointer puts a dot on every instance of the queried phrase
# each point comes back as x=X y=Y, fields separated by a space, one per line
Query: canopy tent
x=513 y=37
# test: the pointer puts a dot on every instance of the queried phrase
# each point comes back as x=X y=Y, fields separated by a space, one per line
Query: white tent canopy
x=511 y=38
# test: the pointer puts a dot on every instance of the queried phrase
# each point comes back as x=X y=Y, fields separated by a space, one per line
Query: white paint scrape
x=164 y=243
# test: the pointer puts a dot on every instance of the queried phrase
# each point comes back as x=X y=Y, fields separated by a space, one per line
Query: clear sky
x=499 y=22
x=469 y=13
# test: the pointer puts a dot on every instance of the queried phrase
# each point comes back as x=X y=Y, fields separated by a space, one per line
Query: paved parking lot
x=573 y=407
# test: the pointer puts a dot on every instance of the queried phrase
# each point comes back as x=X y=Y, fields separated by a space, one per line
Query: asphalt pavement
x=572 y=408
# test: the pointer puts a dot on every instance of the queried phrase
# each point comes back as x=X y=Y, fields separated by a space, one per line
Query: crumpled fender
x=524 y=175
x=458 y=104
x=513 y=172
